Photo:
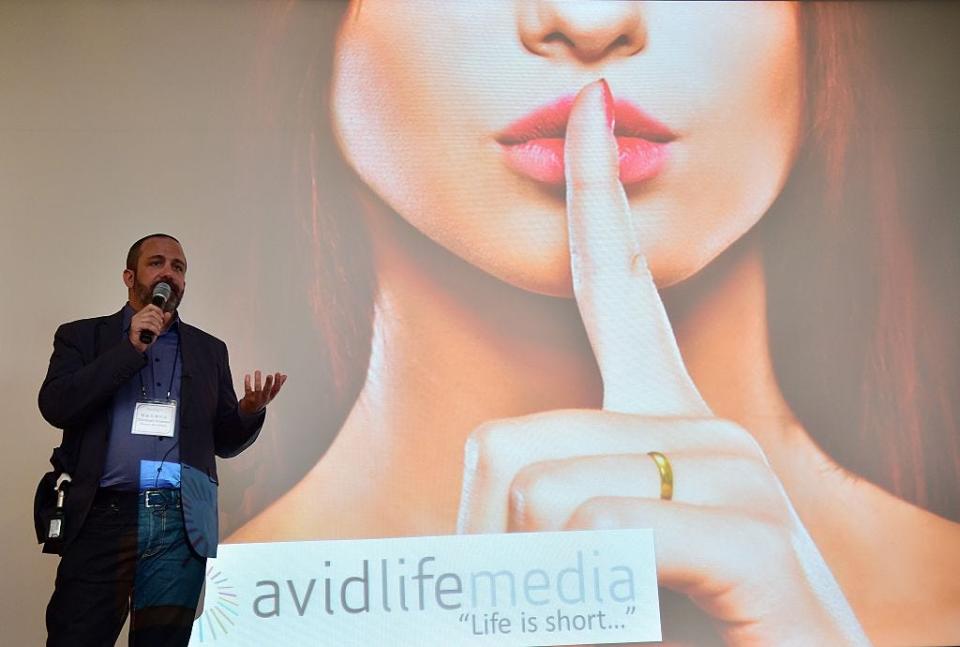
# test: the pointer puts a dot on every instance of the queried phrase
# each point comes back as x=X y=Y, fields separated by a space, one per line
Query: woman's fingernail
x=608 y=104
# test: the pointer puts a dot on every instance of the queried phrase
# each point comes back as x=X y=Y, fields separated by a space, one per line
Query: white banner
x=512 y=589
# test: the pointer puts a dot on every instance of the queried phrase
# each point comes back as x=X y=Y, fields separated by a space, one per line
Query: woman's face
x=453 y=113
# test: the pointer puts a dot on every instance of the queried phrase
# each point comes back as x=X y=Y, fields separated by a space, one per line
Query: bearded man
x=146 y=402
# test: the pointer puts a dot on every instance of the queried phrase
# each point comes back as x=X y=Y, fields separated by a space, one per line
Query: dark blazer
x=91 y=359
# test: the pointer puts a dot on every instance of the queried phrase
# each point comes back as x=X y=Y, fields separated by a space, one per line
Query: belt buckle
x=174 y=502
x=146 y=498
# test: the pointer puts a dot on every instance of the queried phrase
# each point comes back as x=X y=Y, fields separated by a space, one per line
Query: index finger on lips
x=627 y=325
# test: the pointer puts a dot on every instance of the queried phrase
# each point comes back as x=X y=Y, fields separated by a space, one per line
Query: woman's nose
x=583 y=30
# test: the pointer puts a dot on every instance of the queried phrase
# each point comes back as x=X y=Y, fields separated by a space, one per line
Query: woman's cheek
x=742 y=115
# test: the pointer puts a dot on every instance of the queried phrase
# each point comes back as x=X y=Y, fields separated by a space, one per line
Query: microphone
x=161 y=292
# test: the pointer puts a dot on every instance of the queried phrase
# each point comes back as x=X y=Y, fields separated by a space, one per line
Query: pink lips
x=533 y=145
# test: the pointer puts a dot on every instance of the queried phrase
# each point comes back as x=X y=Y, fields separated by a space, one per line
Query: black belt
x=122 y=499
x=126 y=499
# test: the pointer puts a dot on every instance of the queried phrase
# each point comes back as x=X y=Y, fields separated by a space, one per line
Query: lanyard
x=173 y=373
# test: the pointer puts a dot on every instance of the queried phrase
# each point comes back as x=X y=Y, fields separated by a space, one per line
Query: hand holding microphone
x=147 y=324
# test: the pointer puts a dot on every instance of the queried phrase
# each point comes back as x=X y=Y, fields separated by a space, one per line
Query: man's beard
x=145 y=294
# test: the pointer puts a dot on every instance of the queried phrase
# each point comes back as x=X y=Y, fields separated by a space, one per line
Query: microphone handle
x=146 y=336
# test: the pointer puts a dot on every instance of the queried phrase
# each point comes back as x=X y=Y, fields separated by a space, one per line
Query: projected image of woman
x=553 y=275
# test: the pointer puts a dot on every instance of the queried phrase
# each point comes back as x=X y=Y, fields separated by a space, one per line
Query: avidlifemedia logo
x=221 y=609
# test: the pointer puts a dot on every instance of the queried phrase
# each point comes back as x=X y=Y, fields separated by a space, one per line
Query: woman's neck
x=454 y=347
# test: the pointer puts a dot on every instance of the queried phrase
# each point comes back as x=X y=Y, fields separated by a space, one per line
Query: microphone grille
x=163 y=290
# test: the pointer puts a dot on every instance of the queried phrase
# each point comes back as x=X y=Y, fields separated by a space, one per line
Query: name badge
x=154 y=418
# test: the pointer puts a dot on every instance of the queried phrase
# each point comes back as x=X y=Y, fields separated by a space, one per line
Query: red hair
x=860 y=349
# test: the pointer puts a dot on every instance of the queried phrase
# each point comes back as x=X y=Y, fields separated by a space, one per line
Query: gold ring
x=666 y=475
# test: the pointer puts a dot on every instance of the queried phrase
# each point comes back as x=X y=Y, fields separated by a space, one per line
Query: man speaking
x=145 y=402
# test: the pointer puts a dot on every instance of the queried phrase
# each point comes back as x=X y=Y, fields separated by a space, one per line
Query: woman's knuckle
x=526 y=499
x=595 y=513
x=487 y=444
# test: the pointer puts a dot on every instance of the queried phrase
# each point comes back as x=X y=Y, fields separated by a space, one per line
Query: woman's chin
x=536 y=271
x=550 y=276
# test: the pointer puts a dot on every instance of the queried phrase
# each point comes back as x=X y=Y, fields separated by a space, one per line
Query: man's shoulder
x=90 y=323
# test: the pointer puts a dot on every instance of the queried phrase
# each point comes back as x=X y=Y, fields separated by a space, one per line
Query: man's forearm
x=73 y=389
x=236 y=431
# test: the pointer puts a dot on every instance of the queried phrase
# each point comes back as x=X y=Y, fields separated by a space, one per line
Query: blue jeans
x=169 y=575
x=130 y=546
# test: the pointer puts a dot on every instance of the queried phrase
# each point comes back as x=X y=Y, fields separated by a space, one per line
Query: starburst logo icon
x=221 y=611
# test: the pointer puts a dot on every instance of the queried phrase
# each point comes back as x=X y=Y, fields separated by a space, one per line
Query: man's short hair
x=133 y=256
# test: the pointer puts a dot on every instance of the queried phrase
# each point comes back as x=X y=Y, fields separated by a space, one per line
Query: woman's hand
x=729 y=538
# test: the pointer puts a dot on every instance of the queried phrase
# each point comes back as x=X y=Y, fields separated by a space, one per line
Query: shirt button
x=158 y=384
x=157 y=359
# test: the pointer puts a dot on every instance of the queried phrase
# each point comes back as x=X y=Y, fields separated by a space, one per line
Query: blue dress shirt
x=136 y=462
